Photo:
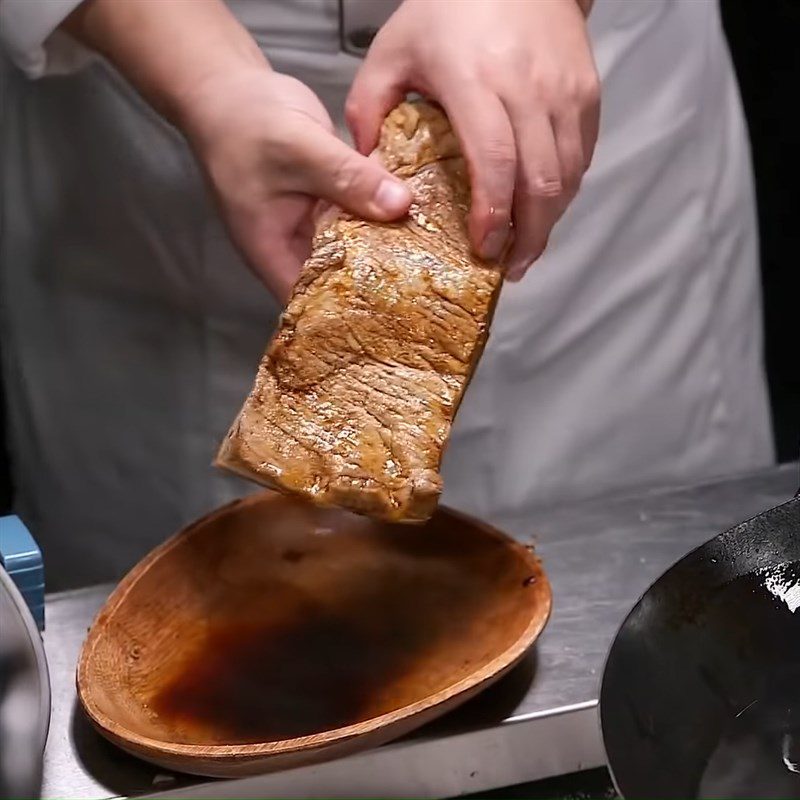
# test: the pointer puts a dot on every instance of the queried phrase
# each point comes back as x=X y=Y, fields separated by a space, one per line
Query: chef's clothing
x=630 y=356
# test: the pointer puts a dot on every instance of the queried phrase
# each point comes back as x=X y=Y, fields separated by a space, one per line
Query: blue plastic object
x=22 y=559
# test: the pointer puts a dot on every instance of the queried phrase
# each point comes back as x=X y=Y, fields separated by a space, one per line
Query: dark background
x=5 y=487
x=763 y=39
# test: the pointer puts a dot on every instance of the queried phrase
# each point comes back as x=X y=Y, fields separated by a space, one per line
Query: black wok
x=701 y=689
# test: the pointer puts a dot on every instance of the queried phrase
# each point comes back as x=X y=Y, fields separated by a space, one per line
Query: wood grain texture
x=274 y=633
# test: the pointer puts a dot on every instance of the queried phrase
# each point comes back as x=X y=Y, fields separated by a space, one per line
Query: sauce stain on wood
x=268 y=681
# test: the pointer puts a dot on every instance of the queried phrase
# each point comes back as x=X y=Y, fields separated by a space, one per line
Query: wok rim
x=795 y=499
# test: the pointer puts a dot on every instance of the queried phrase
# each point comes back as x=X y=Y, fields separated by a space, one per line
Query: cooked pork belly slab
x=354 y=399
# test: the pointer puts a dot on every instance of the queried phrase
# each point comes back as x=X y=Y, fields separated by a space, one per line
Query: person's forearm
x=166 y=48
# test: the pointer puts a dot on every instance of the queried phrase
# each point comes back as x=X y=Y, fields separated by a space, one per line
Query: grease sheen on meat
x=354 y=399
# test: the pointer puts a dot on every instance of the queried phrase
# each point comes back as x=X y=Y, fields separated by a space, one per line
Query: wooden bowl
x=273 y=633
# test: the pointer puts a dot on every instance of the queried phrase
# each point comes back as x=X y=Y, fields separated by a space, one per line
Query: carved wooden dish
x=273 y=633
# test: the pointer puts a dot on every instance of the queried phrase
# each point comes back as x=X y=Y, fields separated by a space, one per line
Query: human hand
x=519 y=85
x=270 y=152
x=264 y=140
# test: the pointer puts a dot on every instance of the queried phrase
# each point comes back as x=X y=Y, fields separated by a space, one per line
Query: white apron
x=629 y=357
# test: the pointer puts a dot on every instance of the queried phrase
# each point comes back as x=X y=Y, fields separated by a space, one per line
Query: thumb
x=357 y=184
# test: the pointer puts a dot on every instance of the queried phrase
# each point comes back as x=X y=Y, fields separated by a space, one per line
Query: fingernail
x=492 y=247
x=516 y=272
x=391 y=197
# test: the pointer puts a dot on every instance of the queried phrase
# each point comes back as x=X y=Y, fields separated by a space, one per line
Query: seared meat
x=354 y=399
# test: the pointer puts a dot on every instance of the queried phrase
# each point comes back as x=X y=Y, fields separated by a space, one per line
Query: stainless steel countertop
x=539 y=721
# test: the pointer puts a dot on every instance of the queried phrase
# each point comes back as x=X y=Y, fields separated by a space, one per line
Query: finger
x=360 y=185
x=569 y=146
x=301 y=239
x=487 y=140
x=590 y=127
x=532 y=235
x=275 y=240
x=286 y=261
x=277 y=259
x=538 y=189
x=374 y=93
x=292 y=249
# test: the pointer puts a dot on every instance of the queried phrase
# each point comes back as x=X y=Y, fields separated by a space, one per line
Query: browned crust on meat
x=354 y=399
